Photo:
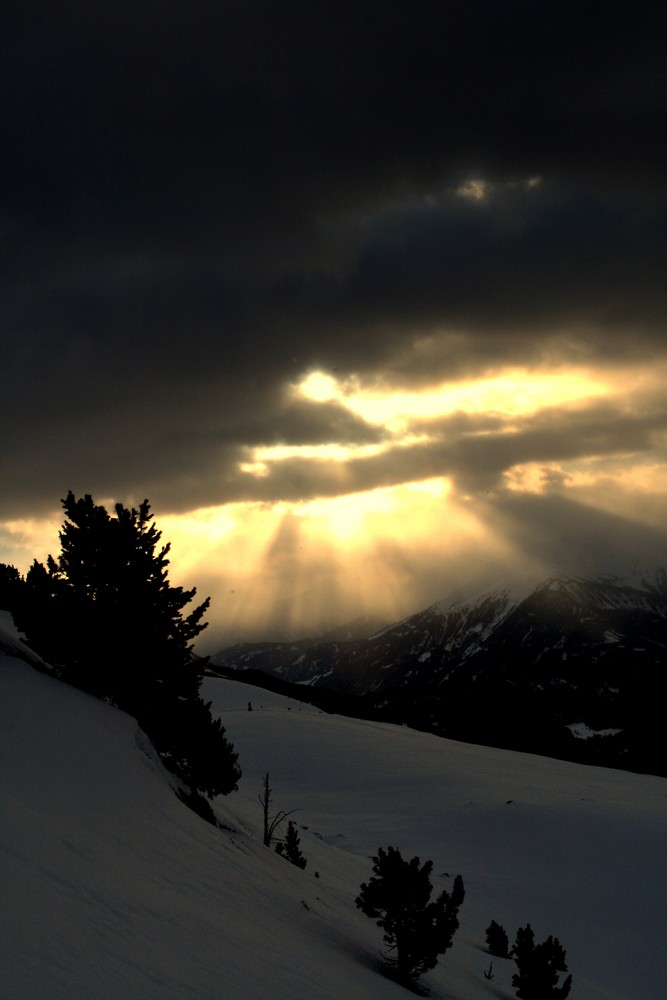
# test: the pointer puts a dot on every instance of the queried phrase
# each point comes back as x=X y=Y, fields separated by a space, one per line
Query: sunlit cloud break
x=263 y=456
x=356 y=331
x=514 y=392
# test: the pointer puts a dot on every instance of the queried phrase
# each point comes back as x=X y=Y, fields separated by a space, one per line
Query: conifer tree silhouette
x=290 y=847
x=497 y=941
x=105 y=615
x=538 y=967
x=416 y=929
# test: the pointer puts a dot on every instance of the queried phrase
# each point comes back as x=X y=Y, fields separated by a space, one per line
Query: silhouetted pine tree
x=123 y=633
x=290 y=847
x=416 y=930
x=12 y=586
x=497 y=941
x=105 y=615
x=538 y=967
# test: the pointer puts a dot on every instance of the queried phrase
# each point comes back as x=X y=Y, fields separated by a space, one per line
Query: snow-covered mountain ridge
x=511 y=668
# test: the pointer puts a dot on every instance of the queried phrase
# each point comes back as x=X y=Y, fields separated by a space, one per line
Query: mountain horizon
x=523 y=666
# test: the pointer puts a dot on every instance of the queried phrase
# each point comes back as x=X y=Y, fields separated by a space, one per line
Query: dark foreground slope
x=113 y=889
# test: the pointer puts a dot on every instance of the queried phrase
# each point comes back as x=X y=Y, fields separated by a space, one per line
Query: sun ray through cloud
x=297 y=285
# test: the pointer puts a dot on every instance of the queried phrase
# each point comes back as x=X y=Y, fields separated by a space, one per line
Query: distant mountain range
x=574 y=668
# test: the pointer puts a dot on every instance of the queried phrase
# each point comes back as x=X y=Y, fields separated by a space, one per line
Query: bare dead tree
x=271 y=823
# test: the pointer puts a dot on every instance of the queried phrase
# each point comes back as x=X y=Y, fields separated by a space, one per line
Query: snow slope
x=113 y=889
x=577 y=851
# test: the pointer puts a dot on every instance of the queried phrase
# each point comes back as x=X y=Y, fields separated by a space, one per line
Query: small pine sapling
x=290 y=847
x=497 y=941
x=538 y=967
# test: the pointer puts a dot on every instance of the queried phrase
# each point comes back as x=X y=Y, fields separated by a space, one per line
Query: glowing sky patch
x=514 y=392
x=25 y=539
x=594 y=476
x=326 y=559
x=262 y=456
x=475 y=189
x=359 y=514
x=298 y=564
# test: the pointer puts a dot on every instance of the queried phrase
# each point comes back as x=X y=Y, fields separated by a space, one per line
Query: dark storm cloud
x=301 y=422
x=204 y=201
x=528 y=261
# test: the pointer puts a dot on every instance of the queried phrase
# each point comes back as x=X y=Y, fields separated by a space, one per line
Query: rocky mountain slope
x=575 y=667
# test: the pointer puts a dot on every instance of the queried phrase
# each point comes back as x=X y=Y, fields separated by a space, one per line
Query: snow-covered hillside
x=523 y=669
x=113 y=889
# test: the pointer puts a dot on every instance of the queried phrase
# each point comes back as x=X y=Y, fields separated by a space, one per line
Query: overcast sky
x=412 y=255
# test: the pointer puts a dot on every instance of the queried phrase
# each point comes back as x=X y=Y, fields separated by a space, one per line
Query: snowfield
x=113 y=890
